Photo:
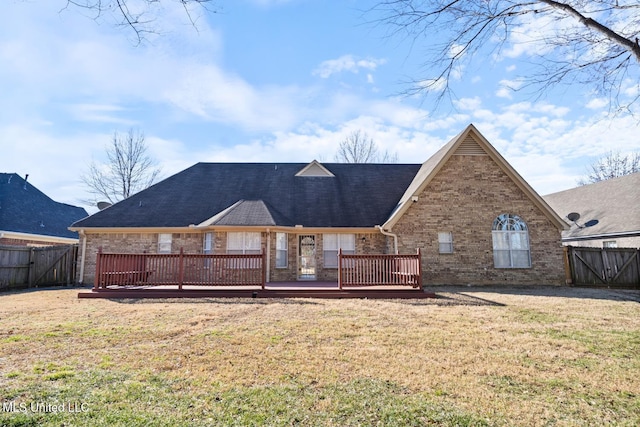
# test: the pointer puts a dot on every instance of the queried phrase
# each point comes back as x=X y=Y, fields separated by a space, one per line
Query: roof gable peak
x=468 y=142
x=315 y=169
x=469 y=146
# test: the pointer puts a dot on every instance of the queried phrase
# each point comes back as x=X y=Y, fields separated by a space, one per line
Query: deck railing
x=379 y=270
x=118 y=269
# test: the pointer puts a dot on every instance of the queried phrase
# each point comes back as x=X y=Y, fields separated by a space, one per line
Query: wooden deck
x=271 y=290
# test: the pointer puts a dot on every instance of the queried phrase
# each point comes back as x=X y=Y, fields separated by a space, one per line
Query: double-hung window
x=207 y=248
x=331 y=243
x=445 y=242
x=510 y=242
x=282 y=253
x=244 y=243
x=164 y=243
x=207 y=243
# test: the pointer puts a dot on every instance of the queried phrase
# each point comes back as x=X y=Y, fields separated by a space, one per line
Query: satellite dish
x=103 y=205
x=591 y=223
x=573 y=216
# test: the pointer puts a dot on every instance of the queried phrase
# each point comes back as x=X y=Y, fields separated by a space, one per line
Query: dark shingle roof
x=359 y=195
x=25 y=209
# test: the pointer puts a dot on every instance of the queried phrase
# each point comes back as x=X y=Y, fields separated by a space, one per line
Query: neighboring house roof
x=250 y=194
x=469 y=142
x=614 y=203
x=25 y=210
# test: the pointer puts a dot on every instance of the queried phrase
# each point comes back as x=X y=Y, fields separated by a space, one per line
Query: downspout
x=83 y=236
x=388 y=233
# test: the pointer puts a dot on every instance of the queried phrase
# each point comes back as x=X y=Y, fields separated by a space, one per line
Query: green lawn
x=472 y=357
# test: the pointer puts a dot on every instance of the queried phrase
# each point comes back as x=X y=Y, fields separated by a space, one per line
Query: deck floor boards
x=272 y=290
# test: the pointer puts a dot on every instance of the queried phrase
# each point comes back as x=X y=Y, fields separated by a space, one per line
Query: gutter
x=388 y=233
x=602 y=236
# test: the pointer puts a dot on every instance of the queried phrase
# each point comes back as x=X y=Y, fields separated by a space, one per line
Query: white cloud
x=433 y=85
x=100 y=113
x=597 y=103
x=507 y=87
x=527 y=37
x=348 y=63
x=468 y=104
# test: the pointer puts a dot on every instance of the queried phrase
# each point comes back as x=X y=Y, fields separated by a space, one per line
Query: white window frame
x=332 y=243
x=164 y=243
x=282 y=250
x=511 y=247
x=207 y=248
x=207 y=243
x=445 y=242
x=244 y=242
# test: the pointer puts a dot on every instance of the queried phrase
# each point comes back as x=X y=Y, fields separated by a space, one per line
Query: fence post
x=568 y=279
x=30 y=268
x=180 y=268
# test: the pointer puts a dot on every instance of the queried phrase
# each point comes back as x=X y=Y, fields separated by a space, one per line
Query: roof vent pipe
x=395 y=238
x=26 y=177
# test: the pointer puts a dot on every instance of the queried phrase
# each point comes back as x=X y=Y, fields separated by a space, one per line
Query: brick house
x=475 y=220
x=28 y=217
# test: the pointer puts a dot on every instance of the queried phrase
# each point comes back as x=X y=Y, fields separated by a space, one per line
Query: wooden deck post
x=340 y=268
x=98 y=273
x=264 y=269
x=419 y=268
x=180 y=268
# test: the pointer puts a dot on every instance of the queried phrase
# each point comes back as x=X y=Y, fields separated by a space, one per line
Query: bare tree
x=592 y=42
x=129 y=169
x=138 y=15
x=357 y=147
x=612 y=165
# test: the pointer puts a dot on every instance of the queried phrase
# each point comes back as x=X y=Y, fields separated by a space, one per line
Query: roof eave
x=37 y=237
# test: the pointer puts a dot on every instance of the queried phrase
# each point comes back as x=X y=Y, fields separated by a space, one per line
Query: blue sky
x=266 y=80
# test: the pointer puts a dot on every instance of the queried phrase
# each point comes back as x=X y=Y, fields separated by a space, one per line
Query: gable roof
x=243 y=212
x=614 y=203
x=469 y=142
x=357 y=195
x=25 y=209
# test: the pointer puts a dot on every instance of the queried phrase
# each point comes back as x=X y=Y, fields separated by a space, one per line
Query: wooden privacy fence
x=26 y=267
x=179 y=270
x=604 y=267
x=379 y=270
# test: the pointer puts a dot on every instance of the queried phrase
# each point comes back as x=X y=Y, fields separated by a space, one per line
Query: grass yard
x=472 y=357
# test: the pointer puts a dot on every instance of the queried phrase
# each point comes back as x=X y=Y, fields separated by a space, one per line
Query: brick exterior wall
x=373 y=243
x=464 y=198
x=132 y=243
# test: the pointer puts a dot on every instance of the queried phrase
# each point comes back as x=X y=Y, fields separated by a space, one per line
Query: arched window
x=510 y=242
